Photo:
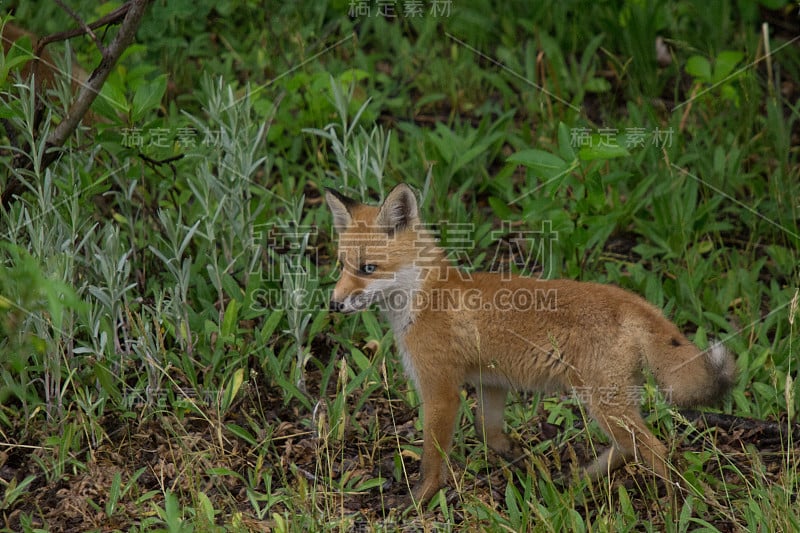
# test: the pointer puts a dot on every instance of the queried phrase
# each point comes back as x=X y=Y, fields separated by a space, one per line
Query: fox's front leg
x=440 y=401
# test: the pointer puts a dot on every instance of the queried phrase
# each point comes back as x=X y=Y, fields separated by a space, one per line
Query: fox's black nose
x=335 y=306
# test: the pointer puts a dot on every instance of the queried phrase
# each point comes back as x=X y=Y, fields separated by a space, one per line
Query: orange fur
x=511 y=332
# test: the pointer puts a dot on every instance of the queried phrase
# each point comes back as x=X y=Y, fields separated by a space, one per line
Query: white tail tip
x=718 y=355
x=723 y=364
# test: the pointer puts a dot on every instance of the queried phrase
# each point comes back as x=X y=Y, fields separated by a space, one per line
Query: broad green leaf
x=464 y=158
x=370 y=484
x=271 y=324
x=232 y=388
x=207 y=507
x=148 y=97
x=543 y=163
x=114 y=493
x=429 y=99
x=565 y=148
x=725 y=64
x=222 y=471
x=600 y=148
x=242 y=433
x=699 y=68
x=360 y=359
x=597 y=85
x=9 y=109
x=352 y=75
x=371 y=323
x=107 y=381
x=589 y=53
x=730 y=93
x=111 y=101
x=319 y=322
x=19 y=53
x=500 y=208
x=229 y=320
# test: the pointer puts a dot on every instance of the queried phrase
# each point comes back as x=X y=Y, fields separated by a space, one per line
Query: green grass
x=167 y=360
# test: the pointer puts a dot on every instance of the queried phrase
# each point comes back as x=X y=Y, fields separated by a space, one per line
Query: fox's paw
x=425 y=490
x=506 y=447
x=515 y=453
x=500 y=443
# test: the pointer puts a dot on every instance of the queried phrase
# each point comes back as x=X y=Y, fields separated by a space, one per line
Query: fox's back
x=533 y=333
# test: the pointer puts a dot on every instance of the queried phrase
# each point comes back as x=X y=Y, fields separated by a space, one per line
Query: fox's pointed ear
x=399 y=210
x=340 y=206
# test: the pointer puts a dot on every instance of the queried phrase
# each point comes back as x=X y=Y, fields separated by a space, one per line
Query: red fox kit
x=500 y=332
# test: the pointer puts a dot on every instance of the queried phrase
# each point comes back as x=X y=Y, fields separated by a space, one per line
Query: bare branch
x=112 y=18
x=86 y=29
x=134 y=13
x=91 y=89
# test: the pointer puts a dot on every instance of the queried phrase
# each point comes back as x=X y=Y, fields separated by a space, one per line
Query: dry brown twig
x=112 y=18
x=129 y=16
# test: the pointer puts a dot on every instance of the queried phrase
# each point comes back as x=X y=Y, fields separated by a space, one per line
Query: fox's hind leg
x=630 y=437
x=489 y=417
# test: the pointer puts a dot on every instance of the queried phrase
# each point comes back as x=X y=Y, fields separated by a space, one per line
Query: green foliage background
x=171 y=269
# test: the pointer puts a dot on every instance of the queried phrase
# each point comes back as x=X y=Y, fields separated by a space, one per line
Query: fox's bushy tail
x=690 y=376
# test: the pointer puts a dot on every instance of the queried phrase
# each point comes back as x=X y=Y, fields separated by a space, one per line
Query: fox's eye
x=367 y=268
